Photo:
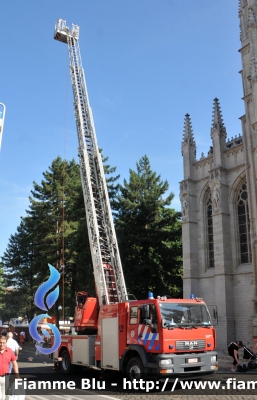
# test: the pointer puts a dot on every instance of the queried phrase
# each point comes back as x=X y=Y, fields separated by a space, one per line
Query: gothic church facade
x=219 y=206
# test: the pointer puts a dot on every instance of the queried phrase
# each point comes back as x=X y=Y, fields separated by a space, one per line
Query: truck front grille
x=190 y=344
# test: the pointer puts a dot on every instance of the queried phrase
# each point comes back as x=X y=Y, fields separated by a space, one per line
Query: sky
x=147 y=63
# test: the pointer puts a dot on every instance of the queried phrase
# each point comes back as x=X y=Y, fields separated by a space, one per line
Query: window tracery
x=211 y=263
x=244 y=225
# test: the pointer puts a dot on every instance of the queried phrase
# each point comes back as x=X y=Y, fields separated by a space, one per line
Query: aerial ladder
x=108 y=274
x=157 y=336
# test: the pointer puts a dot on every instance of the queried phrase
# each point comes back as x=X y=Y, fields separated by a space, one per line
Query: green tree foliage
x=51 y=225
x=111 y=181
x=149 y=234
x=56 y=213
x=2 y=293
x=20 y=267
x=55 y=221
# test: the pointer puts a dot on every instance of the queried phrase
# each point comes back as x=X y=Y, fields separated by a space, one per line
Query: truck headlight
x=213 y=359
x=165 y=362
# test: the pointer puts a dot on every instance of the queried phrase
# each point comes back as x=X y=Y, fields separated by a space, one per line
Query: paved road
x=42 y=367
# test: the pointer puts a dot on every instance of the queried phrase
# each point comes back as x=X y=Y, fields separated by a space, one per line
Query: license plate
x=192 y=360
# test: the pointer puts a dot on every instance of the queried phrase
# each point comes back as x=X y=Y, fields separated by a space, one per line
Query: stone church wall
x=211 y=231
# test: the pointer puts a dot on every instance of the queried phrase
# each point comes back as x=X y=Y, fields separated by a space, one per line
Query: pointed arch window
x=210 y=232
x=244 y=225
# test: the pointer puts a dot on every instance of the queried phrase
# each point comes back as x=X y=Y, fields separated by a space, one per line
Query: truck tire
x=66 y=365
x=135 y=368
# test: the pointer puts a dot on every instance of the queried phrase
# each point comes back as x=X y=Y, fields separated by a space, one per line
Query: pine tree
x=55 y=221
x=149 y=234
x=111 y=181
x=21 y=274
x=57 y=211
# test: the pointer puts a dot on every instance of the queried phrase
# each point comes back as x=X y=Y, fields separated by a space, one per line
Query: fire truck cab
x=151 y=338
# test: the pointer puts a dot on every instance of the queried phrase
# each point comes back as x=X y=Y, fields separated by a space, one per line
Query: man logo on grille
x=191 y=345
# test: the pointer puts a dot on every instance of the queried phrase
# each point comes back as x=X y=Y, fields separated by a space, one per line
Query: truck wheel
x=135 y=368
x=66 y=365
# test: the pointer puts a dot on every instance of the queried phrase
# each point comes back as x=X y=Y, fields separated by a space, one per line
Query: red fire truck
x=158 y=336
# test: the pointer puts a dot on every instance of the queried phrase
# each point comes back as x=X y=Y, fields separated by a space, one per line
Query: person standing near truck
x=233 y=348
x=6 y=357
x=13 y=345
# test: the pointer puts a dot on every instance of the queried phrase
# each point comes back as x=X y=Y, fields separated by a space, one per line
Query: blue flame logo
x=45 y=304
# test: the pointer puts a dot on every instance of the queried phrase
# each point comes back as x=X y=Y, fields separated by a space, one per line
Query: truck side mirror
x=164 y=323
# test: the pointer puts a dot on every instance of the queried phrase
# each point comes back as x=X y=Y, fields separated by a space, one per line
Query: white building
x=219 y=206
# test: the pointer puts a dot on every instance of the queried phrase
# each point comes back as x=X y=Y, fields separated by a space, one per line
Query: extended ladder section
x=109 y=280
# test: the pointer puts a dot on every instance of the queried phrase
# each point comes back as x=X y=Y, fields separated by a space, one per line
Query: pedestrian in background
x=13 y=345
x=40 y=343
x=233 y=348
x=24 y=335
x=21 y=338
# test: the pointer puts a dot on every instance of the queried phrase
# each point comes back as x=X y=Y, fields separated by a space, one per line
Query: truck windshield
x=183 y=314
